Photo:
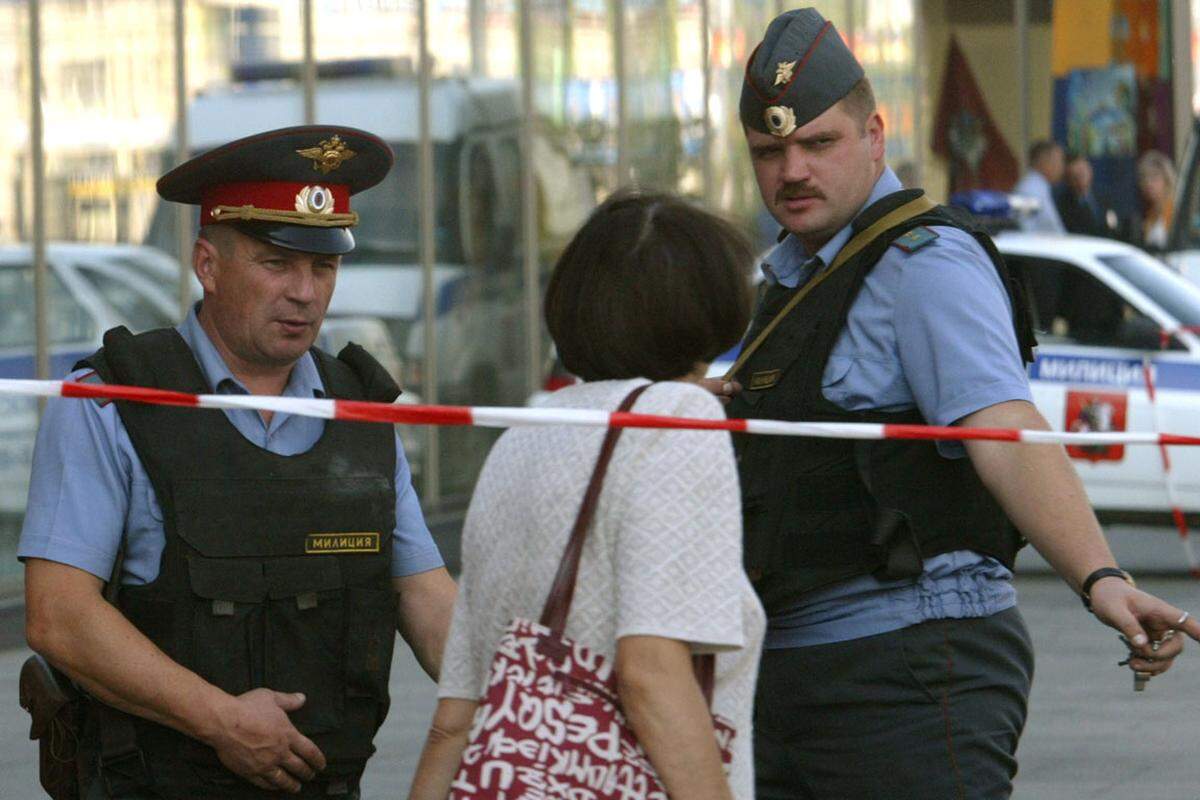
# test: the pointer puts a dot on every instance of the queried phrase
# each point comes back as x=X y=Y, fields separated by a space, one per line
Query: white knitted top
x=663 y=556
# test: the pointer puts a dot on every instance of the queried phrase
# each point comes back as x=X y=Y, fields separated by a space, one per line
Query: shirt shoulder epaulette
x=915 y=239
x=91 y=377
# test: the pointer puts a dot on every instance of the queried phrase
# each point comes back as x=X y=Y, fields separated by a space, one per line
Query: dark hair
x=649 y=286
x=859 y=102
x=1041 y=148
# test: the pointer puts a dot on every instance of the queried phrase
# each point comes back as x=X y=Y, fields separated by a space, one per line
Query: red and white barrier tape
x=1177 y=514
x=498 y=417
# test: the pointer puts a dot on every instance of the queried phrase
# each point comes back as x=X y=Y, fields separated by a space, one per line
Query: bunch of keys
x=1140 y=679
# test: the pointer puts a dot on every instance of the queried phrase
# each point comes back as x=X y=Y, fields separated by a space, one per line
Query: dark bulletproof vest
x=818 y=511
x=252 y=591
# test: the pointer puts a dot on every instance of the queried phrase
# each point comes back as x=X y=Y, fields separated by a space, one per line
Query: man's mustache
x=797 y=191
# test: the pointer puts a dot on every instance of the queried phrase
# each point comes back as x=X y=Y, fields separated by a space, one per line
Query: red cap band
x=277 y=196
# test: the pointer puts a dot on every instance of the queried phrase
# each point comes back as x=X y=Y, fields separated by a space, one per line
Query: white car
x=1106 y=315
x=91 y=288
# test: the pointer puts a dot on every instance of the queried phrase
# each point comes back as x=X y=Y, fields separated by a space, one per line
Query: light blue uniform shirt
x=88 y=486
x=930 y=329
x=1046 y=219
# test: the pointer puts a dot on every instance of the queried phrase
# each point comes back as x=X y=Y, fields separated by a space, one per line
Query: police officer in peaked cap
x=896 y=663
x=261 y=562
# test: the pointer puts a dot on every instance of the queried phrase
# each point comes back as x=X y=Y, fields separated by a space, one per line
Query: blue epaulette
x=915 y=239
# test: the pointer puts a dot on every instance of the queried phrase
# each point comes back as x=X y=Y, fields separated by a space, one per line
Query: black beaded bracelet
x=1103 y=572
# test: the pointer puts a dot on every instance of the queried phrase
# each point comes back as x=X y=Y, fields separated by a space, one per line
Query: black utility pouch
x=56 y=706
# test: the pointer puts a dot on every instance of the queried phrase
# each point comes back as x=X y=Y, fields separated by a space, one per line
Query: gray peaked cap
x=799 y=70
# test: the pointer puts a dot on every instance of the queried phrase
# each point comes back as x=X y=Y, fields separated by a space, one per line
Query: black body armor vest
x=276 y=571
x=818 y=511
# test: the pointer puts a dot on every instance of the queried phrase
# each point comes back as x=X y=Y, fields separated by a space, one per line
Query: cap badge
x=783 y=71
x=328 y=155
x=314 y=200
x=780 y=120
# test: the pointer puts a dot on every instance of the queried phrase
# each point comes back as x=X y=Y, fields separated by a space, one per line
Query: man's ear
x=206 y=264
x=875 y=132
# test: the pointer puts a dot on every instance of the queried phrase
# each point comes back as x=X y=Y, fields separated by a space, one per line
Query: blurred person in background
x=1046 y=165
x=897 y=664
x=648 y=292
x=1156 y=189
x=1078 y=207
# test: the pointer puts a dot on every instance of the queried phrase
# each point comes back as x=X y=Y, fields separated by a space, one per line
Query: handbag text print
x=550 y=726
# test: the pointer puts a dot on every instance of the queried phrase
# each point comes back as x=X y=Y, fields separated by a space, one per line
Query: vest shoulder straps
x=159 y=358
x=162 y=359
x=880 y=222
x=1012 y=279
x=355 y=375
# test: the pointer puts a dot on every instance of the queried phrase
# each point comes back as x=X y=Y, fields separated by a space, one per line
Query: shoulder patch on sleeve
x=91 y=377
x=915 y=239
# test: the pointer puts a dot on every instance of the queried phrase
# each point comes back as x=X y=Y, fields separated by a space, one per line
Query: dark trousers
x=929 y=712
x=96 y=791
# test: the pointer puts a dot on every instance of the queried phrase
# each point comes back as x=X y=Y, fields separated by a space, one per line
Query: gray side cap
x=799 y=70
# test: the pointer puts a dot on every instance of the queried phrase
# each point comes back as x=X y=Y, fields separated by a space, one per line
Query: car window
x=169 y=280
x=138 y=311
x=1070 y=306
x=69 y=322
x=1178 y=296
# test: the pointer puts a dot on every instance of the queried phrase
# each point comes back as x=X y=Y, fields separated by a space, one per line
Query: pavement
x=1088 y=734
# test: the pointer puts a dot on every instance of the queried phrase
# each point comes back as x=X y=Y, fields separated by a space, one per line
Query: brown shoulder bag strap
x=558 y=602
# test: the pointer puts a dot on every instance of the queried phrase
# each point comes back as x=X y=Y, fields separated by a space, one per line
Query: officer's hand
x=259 y=742
x=723 y=389
x=1144 y=620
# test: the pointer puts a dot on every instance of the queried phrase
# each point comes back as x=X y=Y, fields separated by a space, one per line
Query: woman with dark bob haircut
x=650 y=290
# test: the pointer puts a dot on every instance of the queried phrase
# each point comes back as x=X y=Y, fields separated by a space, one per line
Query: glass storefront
x=536 y=112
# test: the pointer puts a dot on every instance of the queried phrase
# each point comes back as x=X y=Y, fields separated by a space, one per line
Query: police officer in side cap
x=260 y=563
x=897 y=664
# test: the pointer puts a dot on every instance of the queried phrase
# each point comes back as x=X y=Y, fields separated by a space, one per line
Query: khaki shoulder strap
x=912 y=208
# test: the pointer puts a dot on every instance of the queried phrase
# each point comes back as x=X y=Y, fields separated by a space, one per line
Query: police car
x=1113 y=324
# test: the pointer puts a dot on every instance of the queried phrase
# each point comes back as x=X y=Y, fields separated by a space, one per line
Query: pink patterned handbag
x=550 y=723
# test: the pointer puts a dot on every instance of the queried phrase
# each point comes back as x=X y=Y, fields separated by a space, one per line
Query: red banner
x=965 y=134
